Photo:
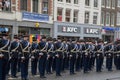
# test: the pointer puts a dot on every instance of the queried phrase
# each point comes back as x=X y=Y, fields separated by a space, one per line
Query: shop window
x=67 y=15
x=87 y=2
x=23 y=5
x=45 y=7
x=59 y=14
x=95 y=3
x=95 y=17
x=23 y=30
x=35 y=6
x=6 y=5
x=87 y=14
x=75 y=16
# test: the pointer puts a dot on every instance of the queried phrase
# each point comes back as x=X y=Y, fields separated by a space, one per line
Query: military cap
x=34 y=39
x=49 y=39
x=16 y=36
x=26 y=35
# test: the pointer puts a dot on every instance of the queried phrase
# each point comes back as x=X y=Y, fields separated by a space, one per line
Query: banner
x=36 y=36
x=35 y=17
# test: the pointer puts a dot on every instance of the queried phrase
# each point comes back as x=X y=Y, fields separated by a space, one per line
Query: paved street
x=105 y=75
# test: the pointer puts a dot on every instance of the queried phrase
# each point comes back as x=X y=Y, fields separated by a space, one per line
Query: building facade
x=82 y=12
x=26 y=17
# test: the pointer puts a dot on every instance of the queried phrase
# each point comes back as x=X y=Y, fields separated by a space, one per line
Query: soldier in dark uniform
x=117 y=55
x=4 y=56
x=86 y=57
x=53 y=62
x=50 y=55
x=109 y=55
x=78 y=56
x=14 y=49
x=43 y=46
x=34 y=56
x=25 y=46
x=73 y=52
x=59 y=56
x=99 y=56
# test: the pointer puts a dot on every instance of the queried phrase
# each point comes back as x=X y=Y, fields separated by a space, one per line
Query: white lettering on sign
x=69 y=29
x=92 y=31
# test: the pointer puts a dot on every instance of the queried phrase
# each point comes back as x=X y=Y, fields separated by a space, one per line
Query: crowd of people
x=52 y=55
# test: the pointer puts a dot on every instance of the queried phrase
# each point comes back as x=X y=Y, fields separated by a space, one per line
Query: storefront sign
x=69 y=29
x=35 y=17
x=91 y=31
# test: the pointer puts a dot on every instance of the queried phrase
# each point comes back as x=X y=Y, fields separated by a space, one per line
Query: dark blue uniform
x=50 y=58
x=109 y=56
x=14 y=49
x=34 y=58
x=59 y=57
x=99 y=58
x=117 y=57
x=25 y=46
x=73 y=52
x=4 y=57
x=79 y=57
x=86 y=58
x=42 y=58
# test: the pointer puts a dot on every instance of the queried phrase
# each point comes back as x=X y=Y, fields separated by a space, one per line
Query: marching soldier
x=99 y=56
x=73 y=52
x=34 y=56
x=25 y=46
x=109 y=55
x=50 y=55
x=4 y=55
x=78 y=56
x=14 y=49
x=43 y=47
x=86 y=57
x=59 y=56
x=117 y=55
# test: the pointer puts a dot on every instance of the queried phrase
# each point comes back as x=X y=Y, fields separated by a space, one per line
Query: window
x=45 y=7
x=118 y=17
x=107 y=18
x=60 y=0
x=95 y=3
x=103 y=2
x=6 y=5
x=102 y=17
x=95 y=14
x=118 y=3
x=59 y=14
x=75 y=16
x=67 y=15
x=87 y=2
x=75 y=1
x=23 y=4
x=35 y=6
x=68 y=1
x=87 y=14
x=113 y=3
x=112 y=18
x=108 y=3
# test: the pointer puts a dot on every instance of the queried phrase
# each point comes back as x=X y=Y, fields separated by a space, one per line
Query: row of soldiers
x=51 y=55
